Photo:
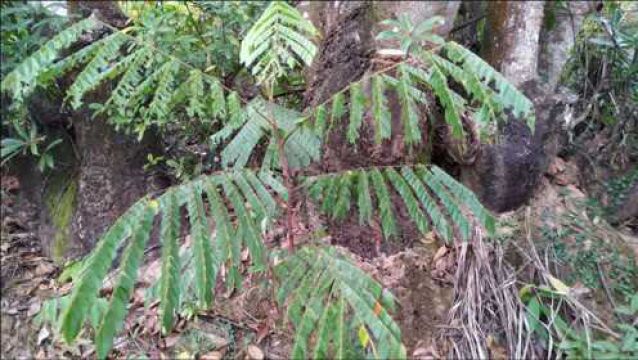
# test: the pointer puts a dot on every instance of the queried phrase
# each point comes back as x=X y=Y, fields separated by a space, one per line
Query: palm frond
x=429 y=195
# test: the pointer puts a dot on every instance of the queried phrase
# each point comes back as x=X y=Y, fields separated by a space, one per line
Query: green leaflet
x=507 y=94
x=414 y=210
x=131 y=78
x=437 y=81
x=471 y=83
x=170 y=276
x=96 y=70
x=159 y=107
x=338 y=108
x=331 y=193
x=234 y=109
x=357 y=105
x=385 y=204
x=429 y=204
x=380 y=110
x=205 y=271
x=247 y=229
x=467 y=197
x=409 y=112
x=342 y=207
x=226 y=245
x=321 y=117
x=364 y=200
x=263 y=194
x=327 y=324
x=257 y=208
x=449 y=203
x=217 y=98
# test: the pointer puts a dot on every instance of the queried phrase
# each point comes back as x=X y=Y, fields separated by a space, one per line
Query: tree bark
x=558 y=37
x=511 y=38
x=505 y=175
x=110 y=176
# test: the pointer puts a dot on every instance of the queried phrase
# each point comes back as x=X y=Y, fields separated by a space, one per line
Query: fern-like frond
x=98 y=69
x=433 y=199
x=278 y=41
x=330 y=301
x=22 y=80
x=448 y=202
x=487 y=94
x=95 y=269
x=150 y=87
x=224 y=193
x=159 y=107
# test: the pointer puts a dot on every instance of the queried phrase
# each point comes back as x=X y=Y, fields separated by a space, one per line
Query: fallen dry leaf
x=43 y=335
x=171 y=341
x=41 y=355
x=33 y=309
x=213 y=355
x=44 y=268
x=255 y=353
x=428 y=238
x=440 y=253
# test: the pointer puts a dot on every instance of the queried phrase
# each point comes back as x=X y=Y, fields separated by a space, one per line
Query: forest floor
x=242 y=326
x=246 y=325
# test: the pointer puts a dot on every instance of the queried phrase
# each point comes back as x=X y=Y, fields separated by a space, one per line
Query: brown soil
x=423 y=300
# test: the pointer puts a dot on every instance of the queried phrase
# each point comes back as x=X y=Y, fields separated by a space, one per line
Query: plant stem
x=288 y=181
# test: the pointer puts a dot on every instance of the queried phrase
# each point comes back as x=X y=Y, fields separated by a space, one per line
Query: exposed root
x=487 y=318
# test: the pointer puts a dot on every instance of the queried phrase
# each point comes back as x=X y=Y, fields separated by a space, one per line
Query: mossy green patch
x=61 y=204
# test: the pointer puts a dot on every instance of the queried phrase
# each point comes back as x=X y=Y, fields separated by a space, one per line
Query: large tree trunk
x=505 y=175
x=558 y=36
x=110 y=176
x=511 y=42
x=345 y=54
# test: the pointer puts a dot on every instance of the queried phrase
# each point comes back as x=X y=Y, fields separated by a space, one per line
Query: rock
x=628 y=208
